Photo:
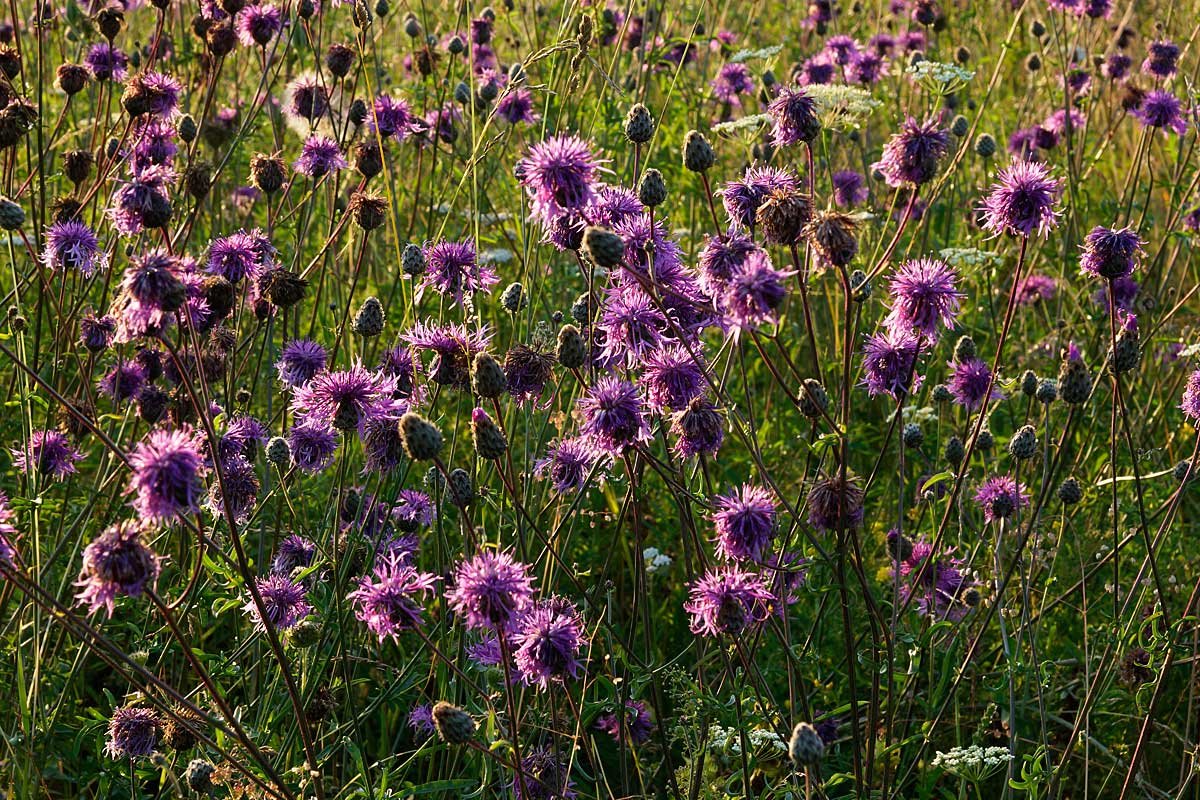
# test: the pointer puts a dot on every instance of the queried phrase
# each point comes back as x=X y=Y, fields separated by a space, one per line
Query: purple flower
x=1062 y=122
x=547 y=639
x=455 y=347
x=866 y=69
x=294 y=552
x=1161 y=109
x=911 y=157
x=943 y=581
x=284 y=602
x=390 y=600
x=1190 y=404
x=614 y=417
x=568 y=463
x=795 y=116
x=698 y=428
x=132 y=731
x=754 y=292
x=167 y=474
x=490 y=589
x=559 y=176
x=672 y=378
x=1023 y=143
x=1162 y=59
x=72 y=245
x=143 y=201
x=849 y=188
x=49 y=453
x=841 y=49
x=1022 y=200
x=453 y=270
x=346 y=398
x=306 y=101
x=721 y=258
x=969 y=382
x=816 y=71
x=240 y=255
x=391 y=116
x=632 y=326
x=744 y=522
x=320 y=155
x=420 y=719
x=237 y=491
x=924 y=297
x=412 y=510
x=544 y=775
x=116 y=563
x=154 y=143
x=158 y=92
x=1109 y=253
x=8 y=531
x=106 y=62
x=727 y=601
x=299 y=361
x=1117 y=65
x=96 y=333
x=1035 y=288
x=732 y=80
x=635 y=722
x=258 y=24
x=1000 y=497
x=890 y=363
x=742 y=198
x=835 y=504
x=516 y=107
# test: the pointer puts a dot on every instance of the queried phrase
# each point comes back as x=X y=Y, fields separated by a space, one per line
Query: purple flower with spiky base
x=744 y=522
x=1162 y=110
x=294 y=552
x=632 y=325
x=391 y=116
x=236 y=494
x=924 y=297
x=1162 y=59
x=849 y=188
x=969 y=381
x=1036 y=288
x=391 y=600
x=795 y=116
x=453 y=270
x=673 y=377
x=1022 y=200
x=142 y=201
x=635 y=722
x=1000 y=497
x=96 y=333
x=123 y=381
x=912 y=156
x=727 y=601
x=319 y=156
x=346 y=398
x=106 y=62
x=720 y=258
x=420 y=719
x=299 y=361
x=306 y=101
x=244 y=254
x=568 y=463
x=943 y=580
x=733 y=79
x=544 y=775
x=516 y=107
x=258 y=24
x=1190 y=403
x=546 y=642
x=742 y=197
x=614 y=416
x=454 y=345
x=490 y=589
x=117 y=563
x=698 y=428
x=754 y=293
x=159 y=93
x=49 y=453
x=559 y=176
x=168 y=468
x=72 y=245
x=890 y=363
x=312 y=445
x=8 y=531
x=613 y=206
x=412 y=510
x=133 y=731
x=1110 y=253
x=284 y=601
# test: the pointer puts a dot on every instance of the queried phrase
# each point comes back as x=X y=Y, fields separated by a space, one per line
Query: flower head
x=390 y=599
x=924 y=297
x=345 y=398
x=754 y=292
x=312 y=444
x=49 y=453
x=559 y=175
x=890 y=362
x=939 y=583
x=911 y=157
x=1022 y=200
x=568 y=464
x=634 y=721
x=284 y=601
x=795 y=117
x=133 y=731
x=490 y=589
x=744 y=522
x=258 y=24
x=168 y=468
x=116 y=563
x=614 y=416
x=299 y=361
x=969 y=383
x=727 y=601
x=241 y=255
x=547 y=639
x=72 y=245
x=453 y=270
x=1109 y=253
x=320 y=155
x=1000 y=497
x=742 y=197
x=1163 y=110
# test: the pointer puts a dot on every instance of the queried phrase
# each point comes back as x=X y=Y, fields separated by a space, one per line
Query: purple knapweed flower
x=1190 y=404
x=320 y=155
x=727 y=601
x=294 y=552
x=345 y=398
x=546 y=642
x=849 y=188
x=49 y=453
x=1162 y=110
x=754 y=292
x=244 y=254
x=1162 y=59
x=744 y=522
x=924 y=297
x=1110 y=253
x=168 y=468
x=391 y=599
x=284 y=601
x=1000 y=497
x=969 y=382
x=132 y=731
x=299 y=361
x=453 y=270
x=912 y=156
x=258 y=24
x=743 y=196
x=614 y=416
x=143 y=201
x=559 y=175
x=1022 y=200
x=106 y=62
x=568 y=464
x=635 y=722
x=943 y=583
x=490 y=589
x=72 y=245
x=890 y=362
x=117 y=563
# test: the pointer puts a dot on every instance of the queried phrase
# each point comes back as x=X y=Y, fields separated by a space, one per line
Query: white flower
x=655 y=560
x=940 y=77
x=841 y=107
x=973 y=763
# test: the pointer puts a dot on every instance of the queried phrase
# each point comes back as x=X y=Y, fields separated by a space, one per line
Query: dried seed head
x=813 y=398
x=490 y=442
x=453 y=725
x=1023 y=444
x=369 y=320
x=806 y=747
x=783 y=216
x=603 y=246
x=267 y=173
x=421 y=439
x=639 y=124
x=832 y=236
x=698 y=155
x=487 y=376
